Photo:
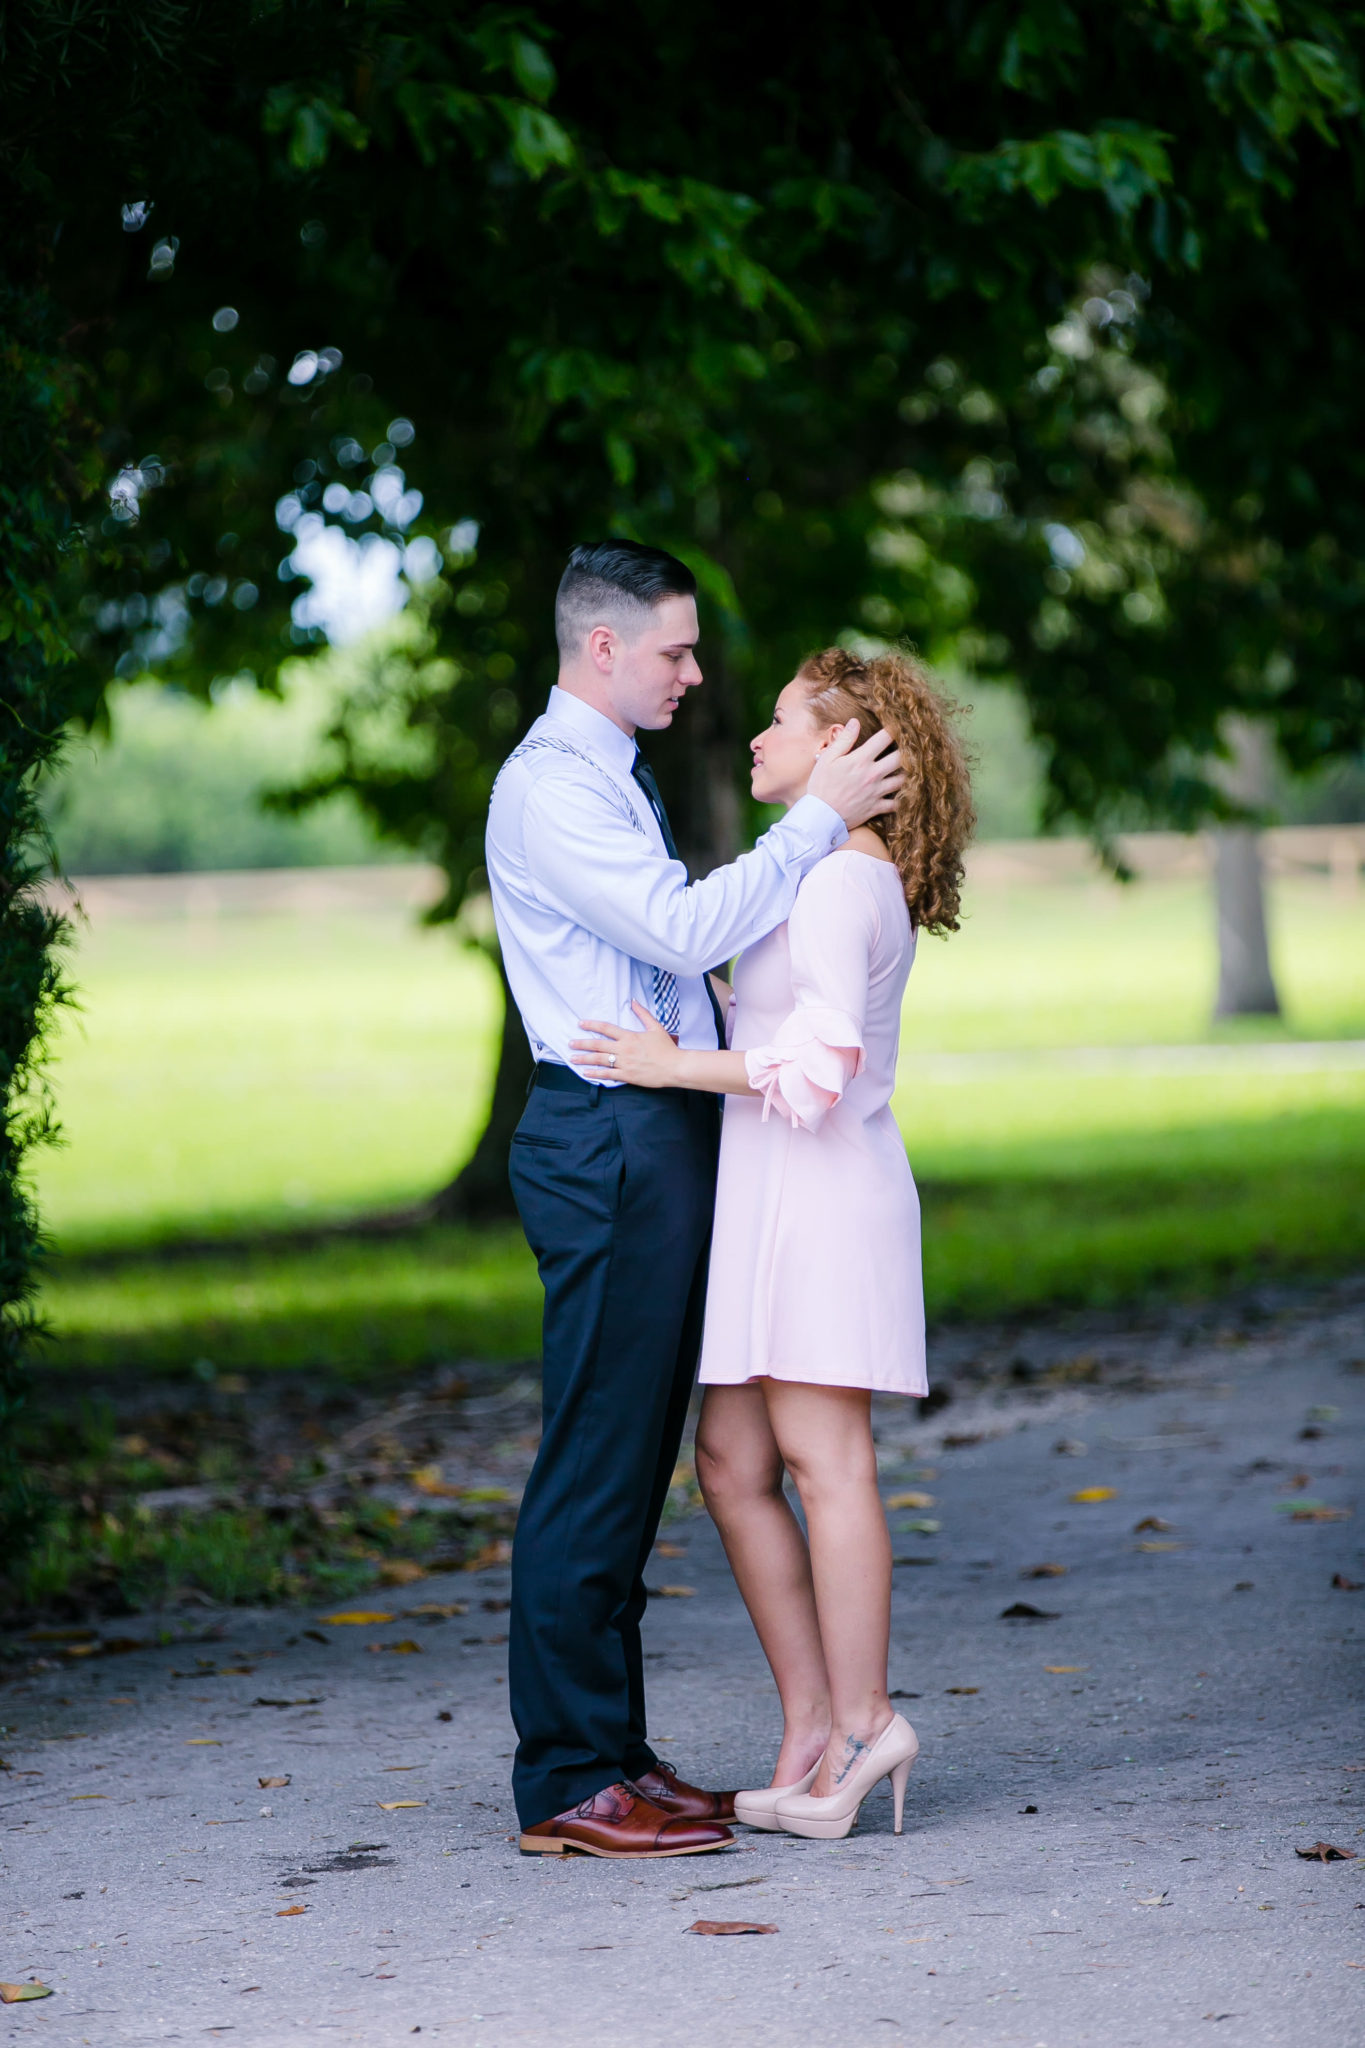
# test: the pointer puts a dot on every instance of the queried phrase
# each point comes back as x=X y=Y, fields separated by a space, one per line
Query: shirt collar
x=607 y=741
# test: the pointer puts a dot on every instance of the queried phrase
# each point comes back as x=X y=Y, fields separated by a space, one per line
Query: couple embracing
x=780 y=1243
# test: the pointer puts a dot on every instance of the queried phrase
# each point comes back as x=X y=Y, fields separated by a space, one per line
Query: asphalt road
x=1101 y=1831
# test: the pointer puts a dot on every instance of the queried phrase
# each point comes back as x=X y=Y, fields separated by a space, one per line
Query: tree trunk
x=697 y=764
x=481 y=1191
x=1246 y=983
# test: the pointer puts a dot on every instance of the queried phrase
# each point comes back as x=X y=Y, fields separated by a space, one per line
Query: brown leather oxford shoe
x=620 y=1822
x=663 y=1788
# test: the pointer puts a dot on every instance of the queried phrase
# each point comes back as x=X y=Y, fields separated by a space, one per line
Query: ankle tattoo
x=854 y=1750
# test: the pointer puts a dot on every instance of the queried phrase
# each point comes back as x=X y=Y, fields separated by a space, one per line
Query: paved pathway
x=1101 y=1833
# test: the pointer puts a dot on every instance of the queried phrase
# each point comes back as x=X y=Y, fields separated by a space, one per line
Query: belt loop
x=594 y=1094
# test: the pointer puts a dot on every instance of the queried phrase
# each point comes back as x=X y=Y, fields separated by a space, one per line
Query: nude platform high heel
x=826 y=1820
x=758 y=1809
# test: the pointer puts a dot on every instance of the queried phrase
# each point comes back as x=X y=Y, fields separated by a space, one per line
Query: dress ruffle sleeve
x=817 y=1050
x=811 y=1060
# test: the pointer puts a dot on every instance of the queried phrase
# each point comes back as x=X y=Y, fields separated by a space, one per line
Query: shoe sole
x=820 y=1830
x=550 y=1845
x=767 y=1823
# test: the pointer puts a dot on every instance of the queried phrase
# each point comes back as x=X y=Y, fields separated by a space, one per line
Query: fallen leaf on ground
x=436 y=1609
x=491 y=1554
x=1044 y=1571
x=671 y=1592
x=670 y=1550
x=271 y=1784
x=1086 y=1494
x=914 y=1560
x=1326 y=1852
x=1069 y=1447
x=963 y=1440
x=899 y=1694
x=730 y=1927
x=962 y=1688
x=407 y=1648
x=1023 y=1610
x=401 y=1571
x=202 y=1742
x=397 y=1805
x=1152 y=1522
x=315 y=1635
x=428 y=1479
x=288 y=1912
x=1028 y=1809
x=1158 y=1546
x=355 y=1617
x=1156 y=1899
x=1313 y=1511
x=487 y=1493
x=495 y=1606
x=445 y=1715
x=311 y=1702
x=1058 y=1669
x=910 y=1500
x=87 y=1795
x=81 y=1650
x=923 y=1525
x=15 y=1994
x=1345 y=1585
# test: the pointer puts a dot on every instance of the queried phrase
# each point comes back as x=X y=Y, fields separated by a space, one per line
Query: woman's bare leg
x=824 y=1437
x=739 y=1470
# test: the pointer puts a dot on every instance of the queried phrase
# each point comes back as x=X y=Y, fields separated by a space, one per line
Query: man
x=615 y=1186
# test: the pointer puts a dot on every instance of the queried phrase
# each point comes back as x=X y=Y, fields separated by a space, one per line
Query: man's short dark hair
x=615 y=582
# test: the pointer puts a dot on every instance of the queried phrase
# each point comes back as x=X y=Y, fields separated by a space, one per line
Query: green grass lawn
x=233 y=1075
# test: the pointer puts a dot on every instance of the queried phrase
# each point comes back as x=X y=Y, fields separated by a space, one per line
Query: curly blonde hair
x=934 y=815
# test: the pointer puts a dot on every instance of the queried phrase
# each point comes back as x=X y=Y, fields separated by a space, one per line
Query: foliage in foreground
x=49 y=466
x=247 y=1529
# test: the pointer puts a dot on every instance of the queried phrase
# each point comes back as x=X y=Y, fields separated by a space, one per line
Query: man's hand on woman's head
x=858 y=782
x=647 y=1058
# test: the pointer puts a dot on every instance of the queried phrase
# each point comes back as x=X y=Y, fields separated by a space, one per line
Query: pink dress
x=815 y=1260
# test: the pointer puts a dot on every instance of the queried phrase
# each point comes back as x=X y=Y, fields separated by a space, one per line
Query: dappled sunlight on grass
x=277 y=1070
x=236 y=1074
x=354 y=1306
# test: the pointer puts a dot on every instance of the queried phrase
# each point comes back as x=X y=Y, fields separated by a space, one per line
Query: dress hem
x=797 y=1379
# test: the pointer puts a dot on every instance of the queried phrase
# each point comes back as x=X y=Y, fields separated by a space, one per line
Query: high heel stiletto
x=757 y=1809
x=826 y=1820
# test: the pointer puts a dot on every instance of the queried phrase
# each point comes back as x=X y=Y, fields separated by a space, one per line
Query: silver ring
x=611 y=1059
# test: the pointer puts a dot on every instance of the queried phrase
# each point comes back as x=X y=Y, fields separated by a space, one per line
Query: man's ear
x=602 y=644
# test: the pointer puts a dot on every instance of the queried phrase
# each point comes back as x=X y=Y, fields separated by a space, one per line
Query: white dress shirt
x=588 y=902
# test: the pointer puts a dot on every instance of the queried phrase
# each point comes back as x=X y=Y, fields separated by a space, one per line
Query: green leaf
x=621 y=457
x=538 y=141
x=535 y=73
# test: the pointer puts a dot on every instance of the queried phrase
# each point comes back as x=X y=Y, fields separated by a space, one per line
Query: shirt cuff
x=816 y=823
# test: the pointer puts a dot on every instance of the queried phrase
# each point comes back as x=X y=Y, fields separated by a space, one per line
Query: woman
x=815 y=1299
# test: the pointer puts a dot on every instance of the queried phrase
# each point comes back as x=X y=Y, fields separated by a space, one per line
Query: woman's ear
x=827 y=738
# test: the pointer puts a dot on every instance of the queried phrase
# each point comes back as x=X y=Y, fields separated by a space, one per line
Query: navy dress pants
x=616 y=1191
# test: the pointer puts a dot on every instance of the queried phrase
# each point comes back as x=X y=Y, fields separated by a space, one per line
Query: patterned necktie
x=666 y=1006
